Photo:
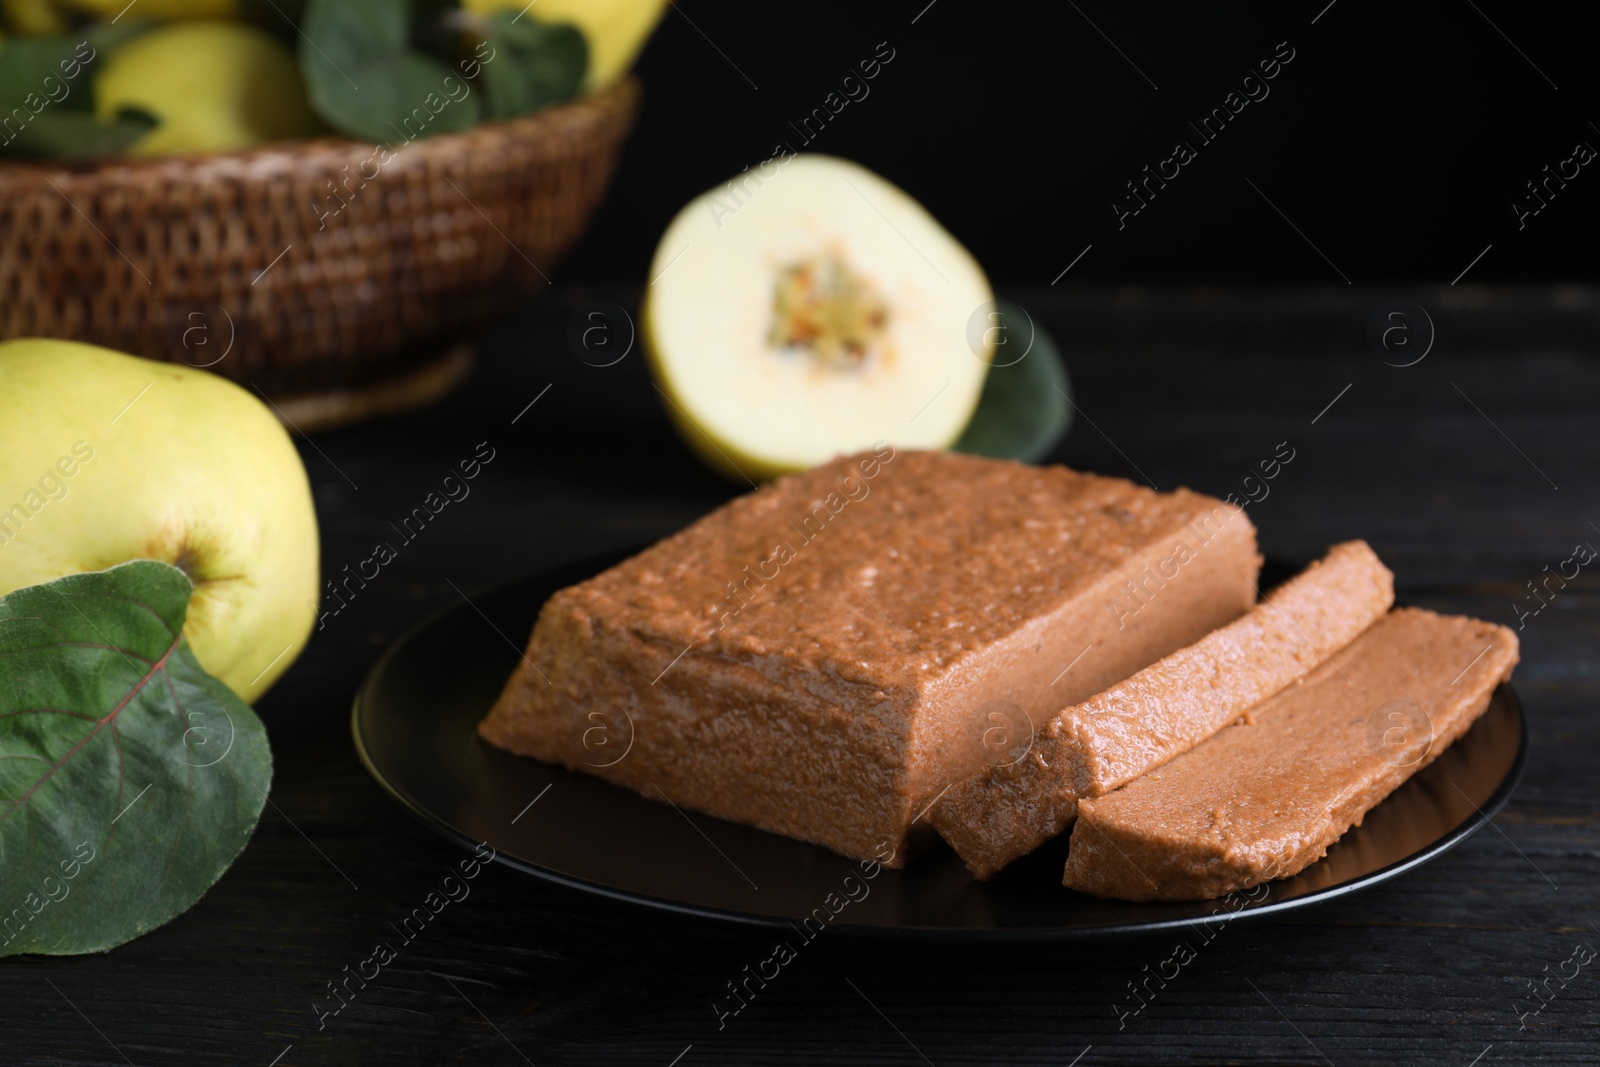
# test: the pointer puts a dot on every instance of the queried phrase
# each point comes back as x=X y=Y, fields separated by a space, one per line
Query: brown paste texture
x=824 y=656
x=1001 y=813
x=1265 y=797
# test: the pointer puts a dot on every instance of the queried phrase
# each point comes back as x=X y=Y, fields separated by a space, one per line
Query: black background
x=1396 y=140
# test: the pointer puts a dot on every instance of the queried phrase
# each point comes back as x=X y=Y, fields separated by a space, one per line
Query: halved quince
x=809 y=308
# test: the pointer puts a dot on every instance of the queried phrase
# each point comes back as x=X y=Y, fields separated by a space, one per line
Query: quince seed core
x=829 y=312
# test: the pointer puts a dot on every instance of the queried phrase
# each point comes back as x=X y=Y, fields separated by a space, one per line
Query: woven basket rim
x=281 y=156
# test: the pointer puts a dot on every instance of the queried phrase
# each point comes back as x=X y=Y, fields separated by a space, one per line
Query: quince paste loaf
x=822 y=657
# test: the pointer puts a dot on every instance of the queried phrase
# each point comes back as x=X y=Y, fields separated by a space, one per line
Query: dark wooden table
x=1470 y=472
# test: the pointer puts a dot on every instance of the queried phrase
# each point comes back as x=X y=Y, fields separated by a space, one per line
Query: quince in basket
x=212 y=85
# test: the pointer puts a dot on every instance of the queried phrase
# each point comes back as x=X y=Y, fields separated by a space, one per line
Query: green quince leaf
x=58 y=70
x=365 y=79
x=77 y=135
x=273 y=14
x=40 y=74
x=1025 y=406
x=534 y=64
x=130 y=779
x=47 y=99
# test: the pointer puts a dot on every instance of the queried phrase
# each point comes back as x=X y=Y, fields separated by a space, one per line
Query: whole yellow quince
x=213 y=86
x=106 y=458
x=615 y=29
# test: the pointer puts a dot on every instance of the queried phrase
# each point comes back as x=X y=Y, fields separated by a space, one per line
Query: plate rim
x=1009 y=935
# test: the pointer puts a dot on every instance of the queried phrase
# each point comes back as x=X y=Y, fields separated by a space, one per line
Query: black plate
x=414 y=723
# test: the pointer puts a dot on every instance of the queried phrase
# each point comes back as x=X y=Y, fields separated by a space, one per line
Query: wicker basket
x=338 y=284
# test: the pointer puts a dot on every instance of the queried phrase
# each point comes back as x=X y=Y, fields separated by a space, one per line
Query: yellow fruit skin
x=160 y=9
x=615 y=29
x=214 y=86
x=184 y=467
